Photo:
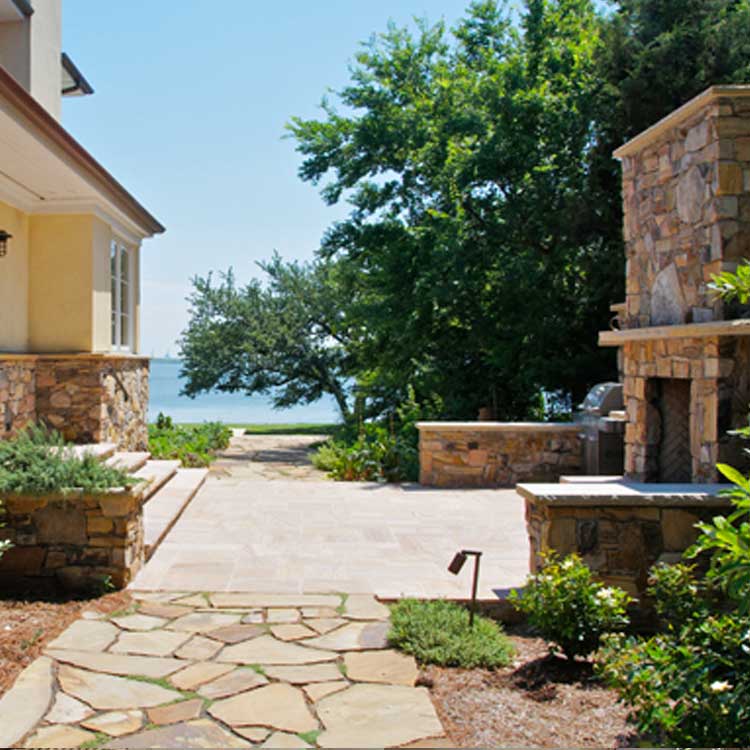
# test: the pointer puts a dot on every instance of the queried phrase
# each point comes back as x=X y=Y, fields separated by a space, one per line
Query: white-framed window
x=121 y=272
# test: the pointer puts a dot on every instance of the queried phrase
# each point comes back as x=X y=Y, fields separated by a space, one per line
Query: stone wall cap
x=674 y=119
x=498 y=426
x=135 y=492
x=96 y=356
x=683 y=331
x=626 y=494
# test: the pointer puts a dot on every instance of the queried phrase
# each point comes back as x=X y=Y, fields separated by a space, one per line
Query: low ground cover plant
x=192 y=445
x=38 y=461
x=438 y=632
x=569 y=608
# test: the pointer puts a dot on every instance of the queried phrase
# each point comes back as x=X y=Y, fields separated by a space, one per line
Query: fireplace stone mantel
x=689 y=330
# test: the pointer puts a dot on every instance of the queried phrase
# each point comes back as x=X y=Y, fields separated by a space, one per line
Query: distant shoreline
x=165 y=385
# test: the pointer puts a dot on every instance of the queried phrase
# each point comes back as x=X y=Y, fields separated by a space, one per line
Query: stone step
x=165 y=506
x=129 y=461
x=102 y=451
x=156 y=474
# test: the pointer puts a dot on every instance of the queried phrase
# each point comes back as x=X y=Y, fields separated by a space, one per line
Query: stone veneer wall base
x=88 y=398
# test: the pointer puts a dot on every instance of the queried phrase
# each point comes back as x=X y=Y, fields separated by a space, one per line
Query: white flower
x=567 y=564
x=720 y=686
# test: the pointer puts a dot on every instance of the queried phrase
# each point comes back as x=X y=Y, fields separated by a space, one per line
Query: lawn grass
x=292 y=428
x=437 y=632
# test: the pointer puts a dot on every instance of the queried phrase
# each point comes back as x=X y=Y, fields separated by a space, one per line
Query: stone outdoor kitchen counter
x=496 y=454
x=621 y=528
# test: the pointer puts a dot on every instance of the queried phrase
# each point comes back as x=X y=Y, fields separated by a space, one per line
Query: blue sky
x=191 y=101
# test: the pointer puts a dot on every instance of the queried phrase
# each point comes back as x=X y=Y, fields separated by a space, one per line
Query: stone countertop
x=625 y=494
x=498 y=426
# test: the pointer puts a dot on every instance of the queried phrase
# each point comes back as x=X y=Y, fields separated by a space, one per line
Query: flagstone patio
x=228 y=670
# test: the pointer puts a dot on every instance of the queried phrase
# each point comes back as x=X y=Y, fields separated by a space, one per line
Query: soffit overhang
x=44 y=170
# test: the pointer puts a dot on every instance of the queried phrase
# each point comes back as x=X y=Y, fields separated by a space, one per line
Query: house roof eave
x=56 y=139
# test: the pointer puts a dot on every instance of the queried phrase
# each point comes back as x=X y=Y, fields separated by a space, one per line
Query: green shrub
x=437 y=632
x=689 y=685
x=385 y=451
x=567 y=607
x=193 y=446
x=374 y=456
x=39 y=461
x=677 y=594
x=728 y=541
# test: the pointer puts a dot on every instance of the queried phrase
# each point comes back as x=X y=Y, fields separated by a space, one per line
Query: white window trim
x=117 y=345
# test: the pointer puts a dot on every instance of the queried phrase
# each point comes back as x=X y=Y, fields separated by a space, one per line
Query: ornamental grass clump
x=38 y=462
x=438 y=632
x=570 y=609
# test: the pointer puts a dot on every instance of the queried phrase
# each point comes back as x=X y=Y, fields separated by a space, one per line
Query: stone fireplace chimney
x=685 y=355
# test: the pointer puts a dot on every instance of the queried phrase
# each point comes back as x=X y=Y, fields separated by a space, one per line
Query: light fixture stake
x=455 y=567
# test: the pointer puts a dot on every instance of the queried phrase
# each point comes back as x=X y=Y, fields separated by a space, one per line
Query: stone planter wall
x=492 y=454
x=79 y=540
x=17 y=395
x=619 y=541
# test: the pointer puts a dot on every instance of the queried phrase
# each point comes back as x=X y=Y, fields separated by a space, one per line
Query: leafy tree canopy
x=287 y=338
x=483 y=244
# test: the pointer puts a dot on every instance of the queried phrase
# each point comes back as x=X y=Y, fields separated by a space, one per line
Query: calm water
x=166 y=384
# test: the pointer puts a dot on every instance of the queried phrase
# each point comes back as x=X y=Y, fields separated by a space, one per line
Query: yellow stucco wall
x=102 y=287
x=14 y=282
x=60 y=284
x=55 y=287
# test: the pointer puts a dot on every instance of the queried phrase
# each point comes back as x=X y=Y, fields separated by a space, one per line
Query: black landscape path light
x=458 y=561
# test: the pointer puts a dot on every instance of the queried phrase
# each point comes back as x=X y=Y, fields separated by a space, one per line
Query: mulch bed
x=29 y=621
x=540 y=701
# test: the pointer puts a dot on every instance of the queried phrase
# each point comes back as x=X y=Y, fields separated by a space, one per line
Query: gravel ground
x=539 y=701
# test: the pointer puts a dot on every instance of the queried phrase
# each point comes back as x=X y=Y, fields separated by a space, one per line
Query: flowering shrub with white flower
x=569 y=608
x=690 y=684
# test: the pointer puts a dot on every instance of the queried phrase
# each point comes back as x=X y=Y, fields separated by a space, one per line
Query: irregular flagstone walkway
x=230 y=670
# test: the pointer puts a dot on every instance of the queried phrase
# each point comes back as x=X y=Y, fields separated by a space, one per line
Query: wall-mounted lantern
x=4 y=237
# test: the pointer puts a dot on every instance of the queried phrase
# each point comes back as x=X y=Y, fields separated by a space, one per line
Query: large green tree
x=483 y=246
x=469 y=245
x=287 y=338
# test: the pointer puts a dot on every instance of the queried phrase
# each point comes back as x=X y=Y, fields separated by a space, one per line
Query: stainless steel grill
x=602 y=436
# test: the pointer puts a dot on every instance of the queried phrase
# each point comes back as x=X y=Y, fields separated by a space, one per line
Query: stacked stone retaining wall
x=491 y=454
